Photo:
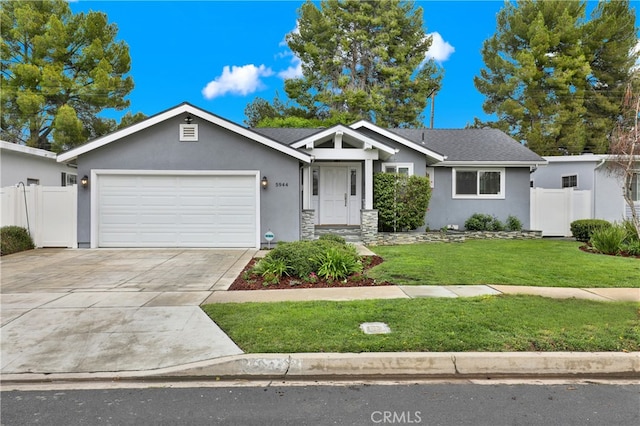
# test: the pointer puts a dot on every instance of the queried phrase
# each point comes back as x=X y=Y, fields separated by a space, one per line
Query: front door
x=333 y=196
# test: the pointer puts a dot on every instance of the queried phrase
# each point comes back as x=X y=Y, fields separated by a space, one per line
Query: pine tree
x=553 y=78
x=362 y=60
x=58 y=71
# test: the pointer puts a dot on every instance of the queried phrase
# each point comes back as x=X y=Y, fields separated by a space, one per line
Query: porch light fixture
x=84 y=181
x=264 y=182
x=188 y=119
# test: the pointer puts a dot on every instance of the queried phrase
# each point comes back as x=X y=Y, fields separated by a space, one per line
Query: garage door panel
x=177 y=211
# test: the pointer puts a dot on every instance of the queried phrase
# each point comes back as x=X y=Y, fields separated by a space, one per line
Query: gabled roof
x=173 y=112
x=27 y=150
x=472 y=146
x=299 y=138
x=346 y=131
x=436 y=155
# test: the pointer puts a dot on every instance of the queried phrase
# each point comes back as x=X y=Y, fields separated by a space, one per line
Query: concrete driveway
x=81 y=311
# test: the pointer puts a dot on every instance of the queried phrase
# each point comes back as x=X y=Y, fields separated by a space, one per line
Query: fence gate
x=49 y=212
x=553 y=210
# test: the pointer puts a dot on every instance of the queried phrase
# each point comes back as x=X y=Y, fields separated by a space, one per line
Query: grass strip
x=548 y=263
x=489 y=323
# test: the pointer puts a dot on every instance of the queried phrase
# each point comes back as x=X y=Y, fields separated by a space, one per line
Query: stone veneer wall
x=308 y=225
x=369 y=226
x=393 y=238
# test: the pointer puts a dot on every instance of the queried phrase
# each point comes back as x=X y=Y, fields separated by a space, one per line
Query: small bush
x=301 y=256
x=513 y=223
x=583 y=229
x=333 y=237
x=632 y=248
x=483 y=222
x=338 y=263
x=631 y=230
x=14 y=239
x=609 y=240
x=269 y=266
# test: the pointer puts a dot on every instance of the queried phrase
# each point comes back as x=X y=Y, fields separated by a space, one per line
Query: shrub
x=609 y=239
x=631 y=230
x=582 y=229
x=338 y=262
x=269 y=266
x=632 y=247
x=301 y=256
x=483 y=222
x=333 y=237
x=14 y=239
x=513 y=223
x=402 y=201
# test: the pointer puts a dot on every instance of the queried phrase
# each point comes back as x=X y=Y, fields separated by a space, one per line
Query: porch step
x=351 y=234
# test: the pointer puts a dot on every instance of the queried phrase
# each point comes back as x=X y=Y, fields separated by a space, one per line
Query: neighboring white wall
x=608 y=201
x=19 y=163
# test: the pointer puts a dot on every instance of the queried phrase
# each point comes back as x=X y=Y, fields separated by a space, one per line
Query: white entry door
x=333 y=196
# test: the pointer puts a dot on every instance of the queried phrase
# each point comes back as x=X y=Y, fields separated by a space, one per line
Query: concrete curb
x=378 y=366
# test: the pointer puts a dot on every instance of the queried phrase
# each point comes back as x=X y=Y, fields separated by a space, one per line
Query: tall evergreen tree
x=58 y=71
x=361 y=60
x=554 y=79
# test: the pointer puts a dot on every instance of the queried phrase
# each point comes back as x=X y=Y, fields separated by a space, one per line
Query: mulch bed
x=588 y=249
x=357 y=280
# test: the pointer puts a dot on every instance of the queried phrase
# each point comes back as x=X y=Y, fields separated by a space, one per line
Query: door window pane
x=315 y=178
x=353 y=182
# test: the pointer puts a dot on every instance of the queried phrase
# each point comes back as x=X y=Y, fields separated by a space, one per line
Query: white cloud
x=237 y=80
x=439 y=50
x=294 y=71
x=295 y=30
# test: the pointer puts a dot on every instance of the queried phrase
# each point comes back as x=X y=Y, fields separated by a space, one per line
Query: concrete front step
x=350 y=233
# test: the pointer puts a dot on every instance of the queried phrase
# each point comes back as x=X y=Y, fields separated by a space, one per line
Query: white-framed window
x=478 y=183
x=399 y=168
x=33 y=181
x=431 y=173
x=570 y=181
x=68 y=179
x=635 y=187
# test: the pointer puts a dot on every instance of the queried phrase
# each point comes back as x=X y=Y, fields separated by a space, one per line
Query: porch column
x=306 y=188
x=368 y=184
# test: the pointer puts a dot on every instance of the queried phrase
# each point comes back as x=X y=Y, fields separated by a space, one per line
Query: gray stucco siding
x=217 y=149
x=550 y=176
x=19 y=167
x=445 y=210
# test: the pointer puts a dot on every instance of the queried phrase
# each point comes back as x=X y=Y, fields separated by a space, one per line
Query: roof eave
x=532 y=163
x=168 y=114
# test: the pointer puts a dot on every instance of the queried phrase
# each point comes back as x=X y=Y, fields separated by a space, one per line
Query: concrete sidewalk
x=411 y=292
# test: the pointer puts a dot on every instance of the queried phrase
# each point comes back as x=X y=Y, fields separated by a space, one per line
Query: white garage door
x=176 y=211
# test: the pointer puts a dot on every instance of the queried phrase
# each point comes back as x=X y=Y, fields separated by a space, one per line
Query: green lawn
x=490 y=323
x=552 y=263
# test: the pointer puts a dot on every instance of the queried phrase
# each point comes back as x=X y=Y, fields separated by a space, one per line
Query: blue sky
x=221 y=55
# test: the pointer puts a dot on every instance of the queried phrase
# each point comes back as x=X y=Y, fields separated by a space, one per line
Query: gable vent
x=188 y=132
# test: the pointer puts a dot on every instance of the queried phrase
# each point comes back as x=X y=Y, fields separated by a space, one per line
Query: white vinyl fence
x=553 y=210
x=49 y=213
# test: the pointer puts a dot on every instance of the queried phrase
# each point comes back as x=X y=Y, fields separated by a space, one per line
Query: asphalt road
x=428 y=404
